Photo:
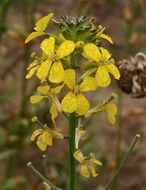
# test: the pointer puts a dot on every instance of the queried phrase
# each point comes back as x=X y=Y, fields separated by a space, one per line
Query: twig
x=123 y=161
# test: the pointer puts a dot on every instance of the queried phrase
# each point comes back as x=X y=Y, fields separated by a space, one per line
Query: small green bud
x=34 y=119
x=33 y=54
x=80 y=44
x=114 y=95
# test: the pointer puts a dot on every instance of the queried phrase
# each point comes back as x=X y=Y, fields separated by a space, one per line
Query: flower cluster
x=75 y=61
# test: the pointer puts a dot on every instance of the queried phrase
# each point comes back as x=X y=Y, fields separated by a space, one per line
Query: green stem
x=123 y=162
x=73 y=122
x=42 y=177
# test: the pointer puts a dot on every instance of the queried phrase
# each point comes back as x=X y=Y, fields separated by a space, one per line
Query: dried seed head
x=133 y=75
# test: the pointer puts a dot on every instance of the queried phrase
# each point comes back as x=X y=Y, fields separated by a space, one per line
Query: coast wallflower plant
x=65 y=77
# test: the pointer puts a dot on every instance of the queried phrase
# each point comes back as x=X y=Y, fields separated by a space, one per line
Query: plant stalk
x=42 y=177
x=73 y=123
x=129 y=152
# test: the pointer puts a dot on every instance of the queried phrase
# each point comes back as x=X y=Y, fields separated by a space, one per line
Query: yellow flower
x=41 y=26
x=111 y=110
x=52 y=66
x=48 y=92
x=87 y=163
x=45 y=137
x=104 y=66
x=75 y=101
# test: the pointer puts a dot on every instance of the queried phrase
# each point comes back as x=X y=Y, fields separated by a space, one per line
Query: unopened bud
x=114 y=95
x=79 y=44
x=34 y=119
x=33 y=54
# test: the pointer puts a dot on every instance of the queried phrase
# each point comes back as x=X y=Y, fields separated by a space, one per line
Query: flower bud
x=34 y=119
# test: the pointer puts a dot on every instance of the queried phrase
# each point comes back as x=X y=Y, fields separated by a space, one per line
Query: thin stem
x=45 y=165
x=123 y=161
x=42 y=177
x=73 y=60
x=73 y=123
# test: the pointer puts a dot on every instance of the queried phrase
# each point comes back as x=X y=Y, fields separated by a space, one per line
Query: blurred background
x=125 y=22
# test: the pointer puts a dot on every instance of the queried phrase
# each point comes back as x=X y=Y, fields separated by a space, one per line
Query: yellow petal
x=105 y=54
x=47 y=138
x=97 y=162
x=53 y=111
x=41 y=24
x=33 y=35
x=56 y=73
x=91 y=51
x=69 y=103
x=84 y=170
x=111 y=68
x=43 y=89
x=35 y=134
x=65 y=49
x=33 y=64
x=57 y=89
x=43 y=70
x=111 y=110
x=41 y=144
x=36 y=99
x=92 y=170
x=106 y=37
x=79 y=156
x=88 y=84
x=82 y=105
x=102 y=77
x=32 y=72
x=69 y=78
x=48 y=46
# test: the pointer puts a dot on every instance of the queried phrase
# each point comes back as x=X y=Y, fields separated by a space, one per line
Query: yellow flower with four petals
x=51 y=67
x=87 y=163
x=75 y=101
x=48 y=92
x=101 y=57
x=45 y=137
